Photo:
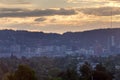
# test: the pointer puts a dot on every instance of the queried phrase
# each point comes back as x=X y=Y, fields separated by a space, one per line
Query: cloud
x=101 y=11
x=40 y=19
x=52 y=20
x=16 y=12
x=10 y=10
x=14 y=1
x=115 y=0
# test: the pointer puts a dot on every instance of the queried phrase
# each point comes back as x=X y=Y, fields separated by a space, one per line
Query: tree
x=86 y=71
x=24 y=73
x=100 y=67
x=3 y=69
x=8 y=76
x=56 y=78
x=69 y=74
x=101 y=73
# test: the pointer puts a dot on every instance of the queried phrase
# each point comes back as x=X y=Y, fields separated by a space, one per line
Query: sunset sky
x=58 y=16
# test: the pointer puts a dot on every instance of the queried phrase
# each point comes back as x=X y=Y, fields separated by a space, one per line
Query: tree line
x=24 y=72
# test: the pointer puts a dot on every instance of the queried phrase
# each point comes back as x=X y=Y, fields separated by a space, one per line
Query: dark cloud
x=10 y=10
x=102 y=11
x=34 y=13
x=40 y=19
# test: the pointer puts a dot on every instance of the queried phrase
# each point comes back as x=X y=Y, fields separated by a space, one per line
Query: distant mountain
x=83 y=39
x=24 y=41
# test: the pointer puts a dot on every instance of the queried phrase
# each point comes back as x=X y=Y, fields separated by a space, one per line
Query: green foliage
x=8 y=76
x=55 y=69
x=24 y=73
x=69 y=74
x=56 y=78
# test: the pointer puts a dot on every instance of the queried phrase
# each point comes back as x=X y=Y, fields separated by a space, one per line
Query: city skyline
x=59 y=16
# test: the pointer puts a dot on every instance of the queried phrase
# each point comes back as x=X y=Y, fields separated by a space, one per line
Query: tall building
x=113 y=48
x=112 y=41
x=98 y=50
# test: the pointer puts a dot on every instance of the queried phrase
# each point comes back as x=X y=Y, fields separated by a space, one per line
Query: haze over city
x=59 y=16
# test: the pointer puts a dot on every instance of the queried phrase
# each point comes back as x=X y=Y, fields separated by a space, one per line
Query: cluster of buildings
x=59 y=51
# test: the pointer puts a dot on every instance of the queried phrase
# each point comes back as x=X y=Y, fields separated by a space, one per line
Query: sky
x=59 y=16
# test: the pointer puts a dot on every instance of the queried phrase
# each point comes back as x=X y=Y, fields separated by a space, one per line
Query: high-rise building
x=112 y=41
x=98 y=50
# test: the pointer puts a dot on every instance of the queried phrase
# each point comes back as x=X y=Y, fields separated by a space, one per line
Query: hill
x=18 y=41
